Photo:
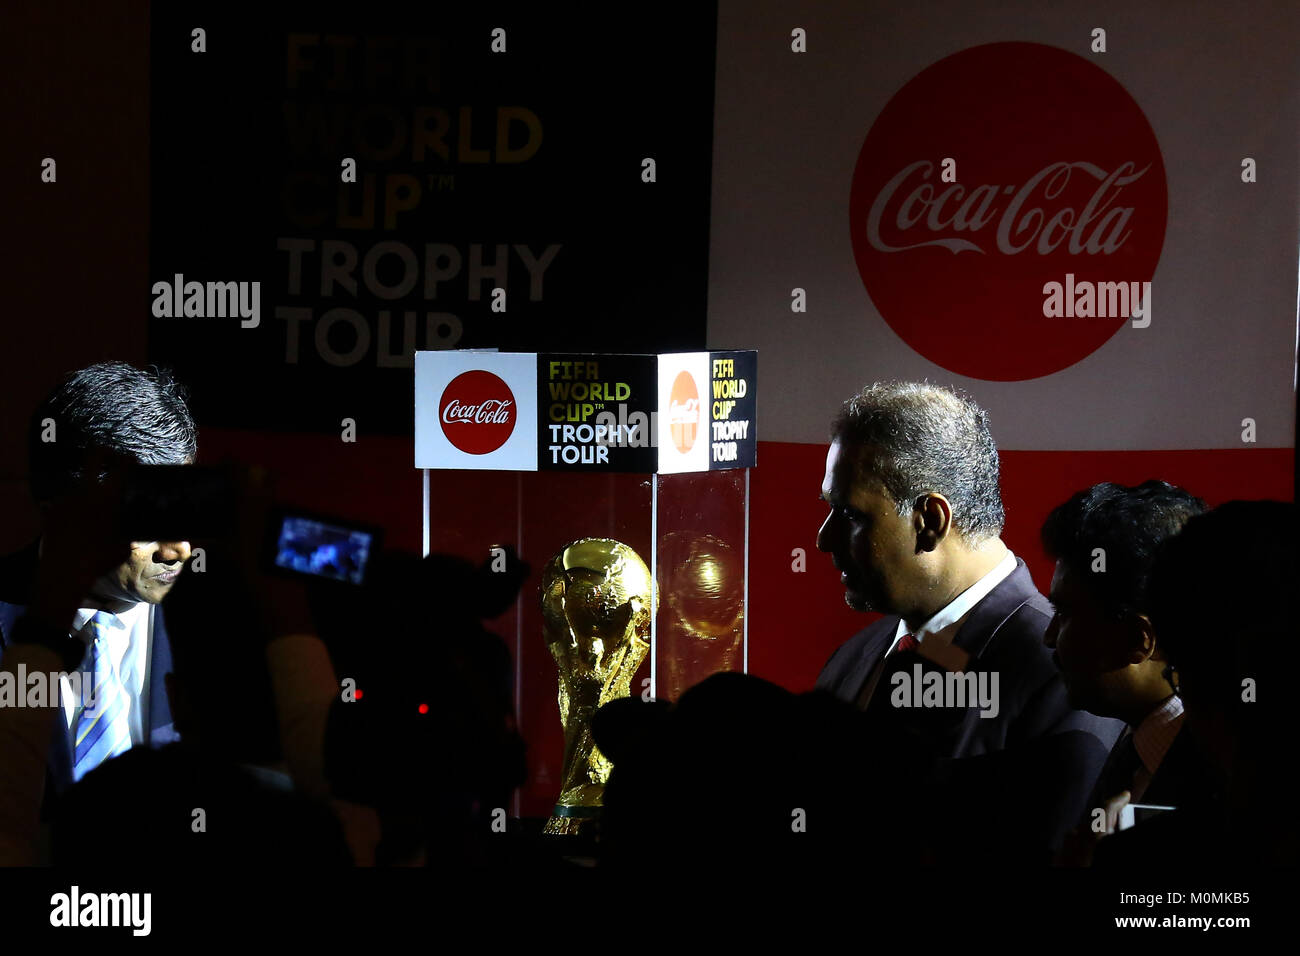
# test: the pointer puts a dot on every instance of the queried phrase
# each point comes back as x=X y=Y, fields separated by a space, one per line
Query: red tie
x=907 y=643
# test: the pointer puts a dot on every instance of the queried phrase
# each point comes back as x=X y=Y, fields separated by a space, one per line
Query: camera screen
x=328 y=551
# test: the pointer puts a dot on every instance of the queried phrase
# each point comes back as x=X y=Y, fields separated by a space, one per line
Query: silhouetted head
x=738 y=771
x=431 y=741
x=1221 y=595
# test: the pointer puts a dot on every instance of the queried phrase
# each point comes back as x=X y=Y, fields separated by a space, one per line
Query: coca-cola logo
x=683 y=412
x=477 y=412
x=1054 y=170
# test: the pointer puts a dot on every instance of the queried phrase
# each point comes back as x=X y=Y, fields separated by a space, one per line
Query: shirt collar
x=84 y=614
x=1156 y=733
x=122 y=621
x=961 y=605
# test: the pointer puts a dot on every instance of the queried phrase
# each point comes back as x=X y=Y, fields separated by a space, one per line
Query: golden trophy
x=705 y=588
x=597 y=604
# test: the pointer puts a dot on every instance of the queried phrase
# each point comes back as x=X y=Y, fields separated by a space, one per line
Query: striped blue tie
x=102 y=729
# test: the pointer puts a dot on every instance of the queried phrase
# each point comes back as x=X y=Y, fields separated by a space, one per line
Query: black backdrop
x=241 y=160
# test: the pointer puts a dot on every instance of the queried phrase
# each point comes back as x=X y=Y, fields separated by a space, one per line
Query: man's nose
x=170 y=552
x=824 y=534
x=1049 y=638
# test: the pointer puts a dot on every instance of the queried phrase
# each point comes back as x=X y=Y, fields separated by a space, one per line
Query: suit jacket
x=1184 y=777
x=17 y=579
x=1034 y=727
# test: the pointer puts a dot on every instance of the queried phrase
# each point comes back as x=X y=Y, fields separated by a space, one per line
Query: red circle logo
x=1056 y=177
x=478 y=412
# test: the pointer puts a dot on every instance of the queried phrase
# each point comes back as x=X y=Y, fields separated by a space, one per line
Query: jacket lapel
x=157 y=714
x=986 y=617
x=879 y=637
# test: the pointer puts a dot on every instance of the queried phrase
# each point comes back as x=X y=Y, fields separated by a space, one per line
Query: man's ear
x=932 y=518
x=1141 y=638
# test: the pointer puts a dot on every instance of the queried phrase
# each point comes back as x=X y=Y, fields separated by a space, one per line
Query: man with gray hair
x=957 y=668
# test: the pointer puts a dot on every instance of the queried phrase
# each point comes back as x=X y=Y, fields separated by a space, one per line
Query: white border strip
x=519 y=623
x=654 y=578
x=426 y=511
x=745 y=601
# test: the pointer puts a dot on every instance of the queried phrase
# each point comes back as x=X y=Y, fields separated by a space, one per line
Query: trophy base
x=571 y=821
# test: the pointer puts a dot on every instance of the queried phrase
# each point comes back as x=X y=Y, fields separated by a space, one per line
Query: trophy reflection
x=597 y=603
x=704 y=585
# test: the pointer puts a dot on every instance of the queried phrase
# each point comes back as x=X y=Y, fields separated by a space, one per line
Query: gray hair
x=918 y=438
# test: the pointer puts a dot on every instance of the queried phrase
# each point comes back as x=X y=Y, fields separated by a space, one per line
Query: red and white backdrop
x=923 y=172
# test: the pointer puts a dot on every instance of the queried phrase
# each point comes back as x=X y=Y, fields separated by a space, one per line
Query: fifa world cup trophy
x=597 y=604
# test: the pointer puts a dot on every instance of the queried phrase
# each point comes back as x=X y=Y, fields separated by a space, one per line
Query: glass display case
x=539 y=452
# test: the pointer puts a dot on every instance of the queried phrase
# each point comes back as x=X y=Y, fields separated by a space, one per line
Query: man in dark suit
x=957 y=668
x=97 y=421
x=1114 y=664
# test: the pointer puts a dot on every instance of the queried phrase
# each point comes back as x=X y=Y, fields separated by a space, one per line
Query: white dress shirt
x=944 y=625
x=128 y=650
x=1152 y=740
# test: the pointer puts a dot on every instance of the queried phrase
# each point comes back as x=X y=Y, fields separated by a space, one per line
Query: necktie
x=882 y=670
x=102 y=729
x=907 y=643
